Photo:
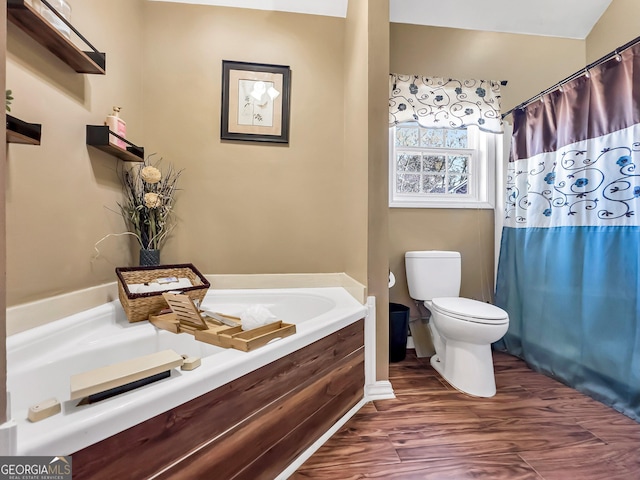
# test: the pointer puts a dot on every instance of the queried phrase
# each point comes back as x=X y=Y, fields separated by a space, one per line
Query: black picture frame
x=259 y=115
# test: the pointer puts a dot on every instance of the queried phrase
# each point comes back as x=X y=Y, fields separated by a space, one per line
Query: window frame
x=481 y=175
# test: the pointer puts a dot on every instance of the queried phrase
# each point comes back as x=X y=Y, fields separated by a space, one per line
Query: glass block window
x=436 y=166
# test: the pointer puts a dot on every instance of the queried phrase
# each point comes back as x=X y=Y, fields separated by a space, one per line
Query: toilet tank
x=432 y=274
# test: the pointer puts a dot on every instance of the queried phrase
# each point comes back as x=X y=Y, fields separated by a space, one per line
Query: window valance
x=436 y=102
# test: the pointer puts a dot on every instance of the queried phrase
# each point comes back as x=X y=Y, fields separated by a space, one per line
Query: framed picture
x=255 y=102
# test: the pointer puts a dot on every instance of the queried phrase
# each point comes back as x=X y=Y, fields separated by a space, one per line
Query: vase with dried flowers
x=148 y=206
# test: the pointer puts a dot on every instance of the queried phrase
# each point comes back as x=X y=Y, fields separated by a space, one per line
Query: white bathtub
x=41 y=361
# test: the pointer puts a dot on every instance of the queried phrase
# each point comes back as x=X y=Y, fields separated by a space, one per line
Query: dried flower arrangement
x=148 y=205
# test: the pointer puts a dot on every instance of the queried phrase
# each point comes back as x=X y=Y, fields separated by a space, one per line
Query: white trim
x=9 y=438
x=381 y=390
x=330 y=8
x=370 y=343
x=8 y=433
x=373 y=389
x=304 y=456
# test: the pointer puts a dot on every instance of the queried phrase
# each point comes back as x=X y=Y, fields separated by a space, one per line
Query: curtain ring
x=618 y=56
x=586 y=73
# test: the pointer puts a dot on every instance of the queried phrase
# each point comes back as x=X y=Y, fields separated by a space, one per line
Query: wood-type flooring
x=534 y=428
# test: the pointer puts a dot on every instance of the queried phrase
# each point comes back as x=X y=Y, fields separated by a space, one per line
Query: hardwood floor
x=534 y=428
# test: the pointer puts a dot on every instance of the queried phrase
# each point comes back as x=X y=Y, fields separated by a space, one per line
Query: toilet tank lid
x=432 y=254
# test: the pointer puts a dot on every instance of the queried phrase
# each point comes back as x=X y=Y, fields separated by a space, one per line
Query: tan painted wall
x=356 y=105
x=58 y=194
x=365 y=164
x=378 y=128
x=530 y=64
x=248 y=207
x=619 y=24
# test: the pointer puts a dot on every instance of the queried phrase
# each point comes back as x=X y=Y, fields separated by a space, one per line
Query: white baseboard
x=304 y=456
x=381 y=390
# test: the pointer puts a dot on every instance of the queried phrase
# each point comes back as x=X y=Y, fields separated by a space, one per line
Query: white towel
x=256 y=316
x=159 y=287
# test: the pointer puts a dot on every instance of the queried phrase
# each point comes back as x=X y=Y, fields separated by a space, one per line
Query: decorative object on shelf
x=255 y=102
x=27 y=17
x=47 y=8
x=117 y=125
x=148 y=206
x=9 y=99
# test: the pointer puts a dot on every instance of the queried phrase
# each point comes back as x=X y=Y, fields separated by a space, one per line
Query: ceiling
x=555 y=18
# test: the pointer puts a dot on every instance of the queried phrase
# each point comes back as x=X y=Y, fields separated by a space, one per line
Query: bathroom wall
x=530 y=64
x=248 y=207
x=60 y=196
x=619 y=24
x=266 y=208
x=378 y=115
x=365 y=163
x=356 y=135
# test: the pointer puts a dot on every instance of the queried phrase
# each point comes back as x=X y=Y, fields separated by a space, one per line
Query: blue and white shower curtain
x=569 y=266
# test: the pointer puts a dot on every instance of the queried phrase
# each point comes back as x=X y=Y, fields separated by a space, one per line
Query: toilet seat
x=470 y=310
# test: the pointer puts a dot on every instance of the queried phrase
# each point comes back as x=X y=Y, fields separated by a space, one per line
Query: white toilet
x=462 y=329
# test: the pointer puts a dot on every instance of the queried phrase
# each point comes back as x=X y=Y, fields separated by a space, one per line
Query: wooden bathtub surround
x=252 y=427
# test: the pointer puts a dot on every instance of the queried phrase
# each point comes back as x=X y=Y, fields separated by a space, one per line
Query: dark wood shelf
x=98 y=137
x=23 y=132
x=28 y=19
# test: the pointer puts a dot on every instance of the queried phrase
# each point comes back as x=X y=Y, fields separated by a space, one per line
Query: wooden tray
x=186 y=318
x=249 y=340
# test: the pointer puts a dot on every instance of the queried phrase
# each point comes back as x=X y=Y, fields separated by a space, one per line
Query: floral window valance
x=436 y=102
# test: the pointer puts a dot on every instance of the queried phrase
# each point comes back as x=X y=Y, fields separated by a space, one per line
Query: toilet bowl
x=462 y=329
x=465 y=330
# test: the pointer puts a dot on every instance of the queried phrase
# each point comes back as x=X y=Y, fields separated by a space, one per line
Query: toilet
x=462 y=329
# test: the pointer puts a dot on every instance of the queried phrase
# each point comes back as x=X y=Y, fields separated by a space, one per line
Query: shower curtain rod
x=580 y=72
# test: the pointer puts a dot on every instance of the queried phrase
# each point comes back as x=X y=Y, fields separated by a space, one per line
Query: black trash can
x=398 y=327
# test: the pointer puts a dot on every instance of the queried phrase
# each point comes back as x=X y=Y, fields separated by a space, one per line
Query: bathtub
x=42 y=360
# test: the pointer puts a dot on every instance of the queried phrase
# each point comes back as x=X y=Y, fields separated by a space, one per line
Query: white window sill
x=441 y=204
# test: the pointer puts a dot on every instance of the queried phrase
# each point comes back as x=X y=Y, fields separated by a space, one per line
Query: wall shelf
x=23 y=132
x=98 y=137
x=28 y=19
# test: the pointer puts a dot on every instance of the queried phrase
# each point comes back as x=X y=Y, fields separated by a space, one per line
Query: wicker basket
x=138 y=306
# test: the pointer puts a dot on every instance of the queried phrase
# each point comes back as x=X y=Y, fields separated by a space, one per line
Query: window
x=440 y=167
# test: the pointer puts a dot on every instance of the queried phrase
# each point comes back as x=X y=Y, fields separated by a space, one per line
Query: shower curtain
x=569 y=266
